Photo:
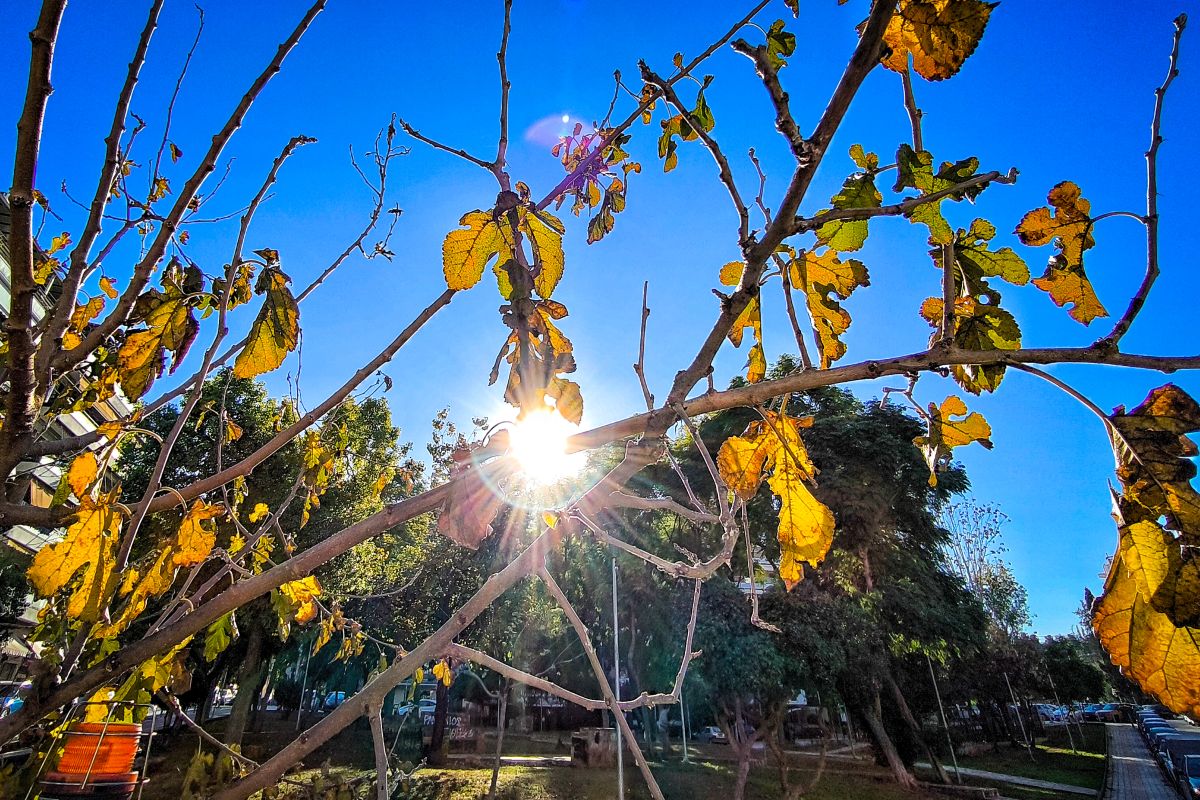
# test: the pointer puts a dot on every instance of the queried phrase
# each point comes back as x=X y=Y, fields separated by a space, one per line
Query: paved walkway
x=1133 y=774
x=1017 y=780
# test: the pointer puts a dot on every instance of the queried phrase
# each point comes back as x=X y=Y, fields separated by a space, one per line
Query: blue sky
x=1061 y=91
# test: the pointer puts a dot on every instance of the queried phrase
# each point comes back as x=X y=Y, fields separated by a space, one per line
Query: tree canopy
x=82 y=337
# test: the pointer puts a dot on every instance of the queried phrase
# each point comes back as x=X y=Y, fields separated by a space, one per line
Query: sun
x=539 y=444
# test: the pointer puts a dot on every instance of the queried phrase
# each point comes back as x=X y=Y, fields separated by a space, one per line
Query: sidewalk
x=1017 y=780
x=1132 y=772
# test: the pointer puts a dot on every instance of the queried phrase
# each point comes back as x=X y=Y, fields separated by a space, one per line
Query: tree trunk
x=907 y=715
x=438 y=746
x=743 y=772
x=249 y=674
x=501 y=713
x=874 y=719
x=733 y=725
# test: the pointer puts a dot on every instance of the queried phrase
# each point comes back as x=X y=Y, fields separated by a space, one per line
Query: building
x=39 y=479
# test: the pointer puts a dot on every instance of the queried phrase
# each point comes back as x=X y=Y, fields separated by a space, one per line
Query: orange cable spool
x=100 y=748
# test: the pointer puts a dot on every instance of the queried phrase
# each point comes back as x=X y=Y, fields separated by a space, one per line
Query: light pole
x=617 y=686
x=941 y=709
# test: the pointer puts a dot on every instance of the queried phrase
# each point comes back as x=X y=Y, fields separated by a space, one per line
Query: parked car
x=1189 y=776
x=1089 y=711
x=12 y=696
x=711 y=734
x=1050 y=713
x=1159 y=710
x=333 y=700
x=1174 y=750
x=1109 y=712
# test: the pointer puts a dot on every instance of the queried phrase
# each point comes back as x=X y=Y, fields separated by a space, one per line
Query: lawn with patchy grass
x=1052 y=758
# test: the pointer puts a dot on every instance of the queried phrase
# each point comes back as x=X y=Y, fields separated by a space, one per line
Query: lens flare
x=539 y=443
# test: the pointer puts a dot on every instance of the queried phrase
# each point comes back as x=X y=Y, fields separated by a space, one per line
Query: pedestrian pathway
x=1017 y=780
x=1133 y=774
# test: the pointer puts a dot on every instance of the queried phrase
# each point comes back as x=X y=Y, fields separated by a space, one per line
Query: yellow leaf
x=774 y=445
x=161 y=188
x=197 y=534
x=465 y=253
x=805 y=523
x=82 y=473
x=110 y=430
x=259 y=511
x=171 y=327
x=1069 y=223
x=1162 y=657
x=236 y=543
x=819 y=276
x=944 y=433
x=86 y=550
x=568 y=400
x=382 y=481
x=139 y=362
x=302 y=596
x=545 y=234
x=731 y=273
x=751 y=317
x=419 y=676
x=60 y=242
x=85 y=313
x=742 y=460
x=757 y=366
x=1070 y=284
x=550 y=518
x=275 y=332
x=106 y=286
x=939 y=34
x=442 y=671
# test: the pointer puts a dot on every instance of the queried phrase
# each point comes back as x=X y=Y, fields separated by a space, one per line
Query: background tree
x=124 y=331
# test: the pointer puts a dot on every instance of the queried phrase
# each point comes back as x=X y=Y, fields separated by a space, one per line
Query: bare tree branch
x=1151 y=219
x=20 y=403
x=65 y=360
x=51 y=339
x=605 y=686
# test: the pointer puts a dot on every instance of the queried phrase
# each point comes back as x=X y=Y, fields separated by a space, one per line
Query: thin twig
x=802 y=224
x=949 y=295
x=602 y=678
x=785 y=123
x=910 y=104
x=1151 y=220
x=198 y=729
x=505 y=88
x=436 y=145
x=640 y=366
x=622 y=500
x=723 y=170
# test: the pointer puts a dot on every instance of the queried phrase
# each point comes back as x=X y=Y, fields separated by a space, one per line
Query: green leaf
x=847 y=235
x=699 y=118
x=978 y=262
x=977 y=326
x=780 y=44
x=868 y=162
x=914 y=170
x=218 y=636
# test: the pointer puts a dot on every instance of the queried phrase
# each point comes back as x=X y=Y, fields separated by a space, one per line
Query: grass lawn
x=694 y=782
x=1052 y=759
x=349 y=755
